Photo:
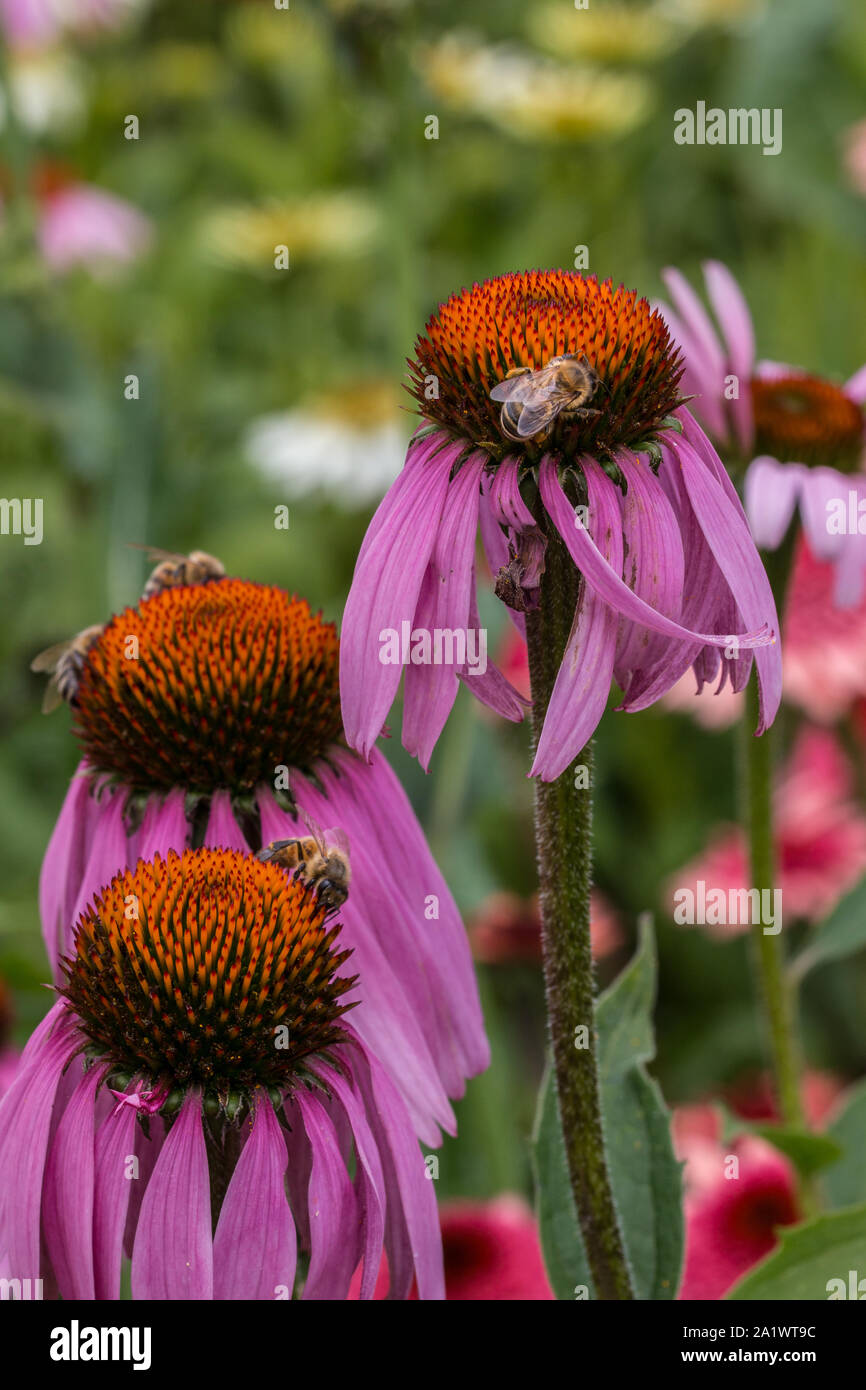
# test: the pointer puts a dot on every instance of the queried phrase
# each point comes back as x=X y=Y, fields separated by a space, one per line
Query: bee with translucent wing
x=532 y=401
x=321 y=858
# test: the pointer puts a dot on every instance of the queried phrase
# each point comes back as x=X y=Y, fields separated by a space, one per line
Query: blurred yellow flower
x=617 y=33
x=529 y=96
x=323 y=225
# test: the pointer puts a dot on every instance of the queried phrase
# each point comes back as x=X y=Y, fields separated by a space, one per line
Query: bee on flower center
x=533 y=400
x=321 y=858
x=173 y=570
x=64 y=662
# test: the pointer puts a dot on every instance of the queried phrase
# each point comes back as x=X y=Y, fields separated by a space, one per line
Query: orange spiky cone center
x=804 y=419
x=523 y=320
x=209 y=686
x=207 y=969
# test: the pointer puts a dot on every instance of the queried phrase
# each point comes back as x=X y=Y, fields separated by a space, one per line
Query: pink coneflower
x=210 y=714
x=196 y=1098
x=508 y=928
x=802 y=436
x=733 y=1209
x=38 y=23
x=491 y=1254
x=820 y=837
x=8 y=1054
x=81 y=225
x=629 y=485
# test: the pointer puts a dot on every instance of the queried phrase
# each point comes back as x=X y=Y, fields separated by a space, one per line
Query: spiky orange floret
x=803 y=419
x=208 y=686
x=523 y=320
x=186 y=969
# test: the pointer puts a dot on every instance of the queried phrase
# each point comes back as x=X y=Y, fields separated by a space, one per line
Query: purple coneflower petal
x=164 y=827
x=606 y=582
x=697 y=378
x=25 y=1126
x=430 y=691
x=412 y=1240
x=706 y=358
x=728 y=536
x=113 y=1181
x=223 y=831
x=490 y=687
x=583 y=681
x=64 y=864
x=735 y=321
x=653 y=564
x=67 y=1199
x=771 y=491
x=254 y=1248
x=172 y=1257
x=384 y=804
x=330 y=1203
x=110 y=851
x=369 y=1182
x=386 y=585
x=388 y=1016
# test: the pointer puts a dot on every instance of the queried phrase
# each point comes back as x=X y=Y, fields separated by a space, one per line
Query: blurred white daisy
x=347 y=446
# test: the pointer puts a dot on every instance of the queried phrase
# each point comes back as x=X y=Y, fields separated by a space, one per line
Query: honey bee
x=65 y=662
x=322 y=858
x=532 y=400
x=173 y=570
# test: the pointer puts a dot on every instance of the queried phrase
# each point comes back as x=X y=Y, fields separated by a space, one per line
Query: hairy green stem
x=563 y=832
x=774 y=990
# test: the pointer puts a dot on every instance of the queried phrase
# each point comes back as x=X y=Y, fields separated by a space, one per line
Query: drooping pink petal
x=821 y=489
x=115 y=1177
x=413 y=1242
x=110 y=853
x=369 y=1182
x=223 y=831
x=653 y=565
x=254 y=1249
x=386 y=585
x=771 y=491
x=172 y=1257
x=735 y=320
x=698 y=378
x=604 y=580
x=495 y=545
x=25 y=1127
x=490 y=686
x=395 y=998
x=64 y=865
x=727 y=534
x=583 y=681
x=430 y=912
x=707 y=360
x=430 y=690
x=67 y=1199
x=331 y=1206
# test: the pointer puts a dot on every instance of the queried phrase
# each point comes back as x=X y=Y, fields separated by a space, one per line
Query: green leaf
x=845 y=1183
x=843 y=933
x=645 y=1174
x=808 y=1152
x=808 y=1258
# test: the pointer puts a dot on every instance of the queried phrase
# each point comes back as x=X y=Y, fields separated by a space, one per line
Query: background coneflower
x=210 y=714
x=801 y=437
x=213 y=1112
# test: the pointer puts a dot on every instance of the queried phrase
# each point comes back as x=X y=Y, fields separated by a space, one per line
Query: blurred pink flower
x=751 y=1096
x=823 y=654
x=38 y=23
x=491 y=1251
x=820 y=837
x=823 y=647
x=854 y=156
x=508 y=928
x=80 y=224
x=732 y=1211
